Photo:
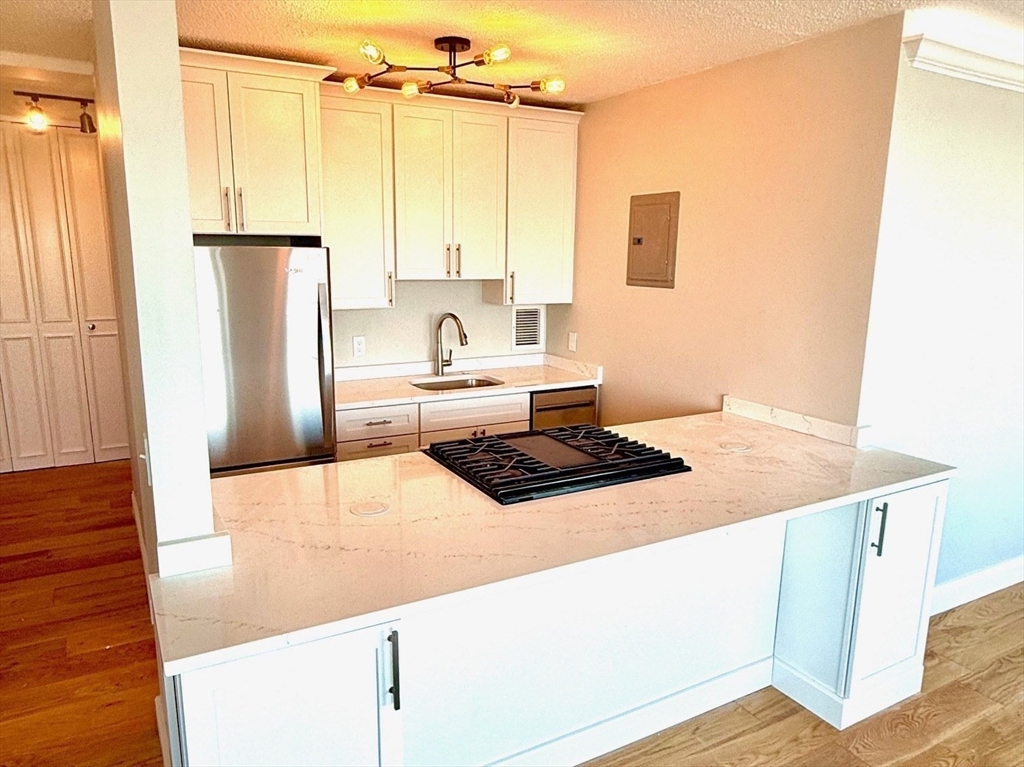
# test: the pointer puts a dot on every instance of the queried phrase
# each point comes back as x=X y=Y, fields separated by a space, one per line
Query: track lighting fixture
x=85 y=120
x=36 y=119
x=453 y=46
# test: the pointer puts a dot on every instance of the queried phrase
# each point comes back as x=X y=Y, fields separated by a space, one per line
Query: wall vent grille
x=528 y=328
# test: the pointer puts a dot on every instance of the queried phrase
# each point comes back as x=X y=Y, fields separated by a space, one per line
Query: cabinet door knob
x=91 y=326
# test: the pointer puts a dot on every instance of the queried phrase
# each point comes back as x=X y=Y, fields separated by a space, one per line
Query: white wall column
x=142 y=143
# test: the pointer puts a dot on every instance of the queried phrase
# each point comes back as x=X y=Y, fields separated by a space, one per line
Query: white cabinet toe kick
x=564 y=665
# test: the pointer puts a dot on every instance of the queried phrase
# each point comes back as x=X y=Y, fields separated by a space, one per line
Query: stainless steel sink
x=455 y=382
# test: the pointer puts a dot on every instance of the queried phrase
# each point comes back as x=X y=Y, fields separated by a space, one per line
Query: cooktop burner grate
x=536 y=464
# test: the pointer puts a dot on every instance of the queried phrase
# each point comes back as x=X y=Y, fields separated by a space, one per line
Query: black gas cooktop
x=540 y=463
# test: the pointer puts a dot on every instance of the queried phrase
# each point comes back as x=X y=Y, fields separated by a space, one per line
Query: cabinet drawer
x=429 y=437
x=369 y=422
x=369 y=448
x=472 y=412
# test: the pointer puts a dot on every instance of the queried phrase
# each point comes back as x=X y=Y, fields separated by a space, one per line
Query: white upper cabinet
x=358 y=202
x=211 y=182
x=450 y=187
x=274 y=149
x=541 y=211
x=253 y=143
x=423 y=192
x=479 y=177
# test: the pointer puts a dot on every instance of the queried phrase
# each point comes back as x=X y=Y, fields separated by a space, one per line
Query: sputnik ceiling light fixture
x=453 y=46
x=37 y=120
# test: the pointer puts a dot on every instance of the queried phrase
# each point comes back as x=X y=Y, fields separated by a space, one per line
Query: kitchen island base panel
x=644 y=721
x=492 y=677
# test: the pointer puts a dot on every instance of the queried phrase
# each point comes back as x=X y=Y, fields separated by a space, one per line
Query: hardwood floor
x=969 y=714
x=77 y=657
x=78 y=668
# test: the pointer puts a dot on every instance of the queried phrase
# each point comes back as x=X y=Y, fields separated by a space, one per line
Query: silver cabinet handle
x=448 y=260
x=385 y=443
x=242 y=221
x=227 y=207
x=91 y=326
x=512 y=287
x=458 y=259
x=391 y=289
x=385 y=422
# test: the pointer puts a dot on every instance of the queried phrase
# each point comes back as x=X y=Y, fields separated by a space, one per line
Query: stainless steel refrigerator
x=268 y=366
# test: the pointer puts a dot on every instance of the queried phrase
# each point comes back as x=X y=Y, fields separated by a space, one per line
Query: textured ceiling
x=602 y=47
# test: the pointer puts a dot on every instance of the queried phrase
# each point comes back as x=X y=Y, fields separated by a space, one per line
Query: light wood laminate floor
x=78 y=668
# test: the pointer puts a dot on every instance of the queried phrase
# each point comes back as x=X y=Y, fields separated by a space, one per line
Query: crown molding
x=944 y=59
x=46 y=63
x=236 y=62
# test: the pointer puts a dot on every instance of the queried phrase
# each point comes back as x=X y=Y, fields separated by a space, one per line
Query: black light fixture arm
x=452 y=46
x=54 y=97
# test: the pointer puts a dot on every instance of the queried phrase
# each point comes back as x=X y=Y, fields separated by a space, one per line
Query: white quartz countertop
x=306 y=566
x=374 y=392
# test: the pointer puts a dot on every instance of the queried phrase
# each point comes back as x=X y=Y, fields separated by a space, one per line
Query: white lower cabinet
x=326 y=702
x=854 y=603
x=428 y=438
x=523 y=664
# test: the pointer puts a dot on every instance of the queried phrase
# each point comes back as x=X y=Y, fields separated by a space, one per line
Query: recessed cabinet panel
x=208 y=148
x=359 y=224
x=653 y=231
x=66 y=397
x=28 y=419
x=45 y=226
x=892 y=614
x=15 y=270
x=5 y=444
x=320 y=703
x=480 y=183
x=274 y=154
x=541 y=211
x=423 y=193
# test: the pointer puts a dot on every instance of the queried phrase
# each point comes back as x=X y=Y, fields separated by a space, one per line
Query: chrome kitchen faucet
x=441 y=363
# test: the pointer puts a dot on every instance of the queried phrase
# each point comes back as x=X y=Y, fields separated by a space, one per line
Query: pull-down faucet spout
x=441 y=363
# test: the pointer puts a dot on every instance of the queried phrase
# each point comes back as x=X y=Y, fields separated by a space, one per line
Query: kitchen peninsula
x=589 y=620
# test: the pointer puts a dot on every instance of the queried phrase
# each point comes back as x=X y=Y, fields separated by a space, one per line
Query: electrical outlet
x=358 y=346
x=572 y=341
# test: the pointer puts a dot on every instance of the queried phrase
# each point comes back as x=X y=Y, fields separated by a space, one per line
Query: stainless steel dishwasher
x=565 y=407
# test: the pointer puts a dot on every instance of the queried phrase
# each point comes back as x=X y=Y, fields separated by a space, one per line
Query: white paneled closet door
x=42 y=367
x=27 y=419
x=94 y=282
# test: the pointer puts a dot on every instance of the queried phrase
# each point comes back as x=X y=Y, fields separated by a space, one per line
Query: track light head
x=85 y=120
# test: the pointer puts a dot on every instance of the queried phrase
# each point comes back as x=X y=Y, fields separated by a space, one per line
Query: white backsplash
x=406 y=332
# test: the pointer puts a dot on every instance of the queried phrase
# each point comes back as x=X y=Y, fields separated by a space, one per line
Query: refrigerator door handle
x=326 y=366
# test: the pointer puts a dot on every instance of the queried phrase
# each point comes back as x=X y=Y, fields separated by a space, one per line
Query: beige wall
x=944 y=368
x=406 y=332
x=780 y=160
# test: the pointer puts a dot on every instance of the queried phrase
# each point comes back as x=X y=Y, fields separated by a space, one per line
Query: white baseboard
x=967 y=588
x=641 y=722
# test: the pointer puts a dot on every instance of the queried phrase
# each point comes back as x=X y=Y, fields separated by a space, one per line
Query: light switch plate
x=572 y=341
x=358 y=346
